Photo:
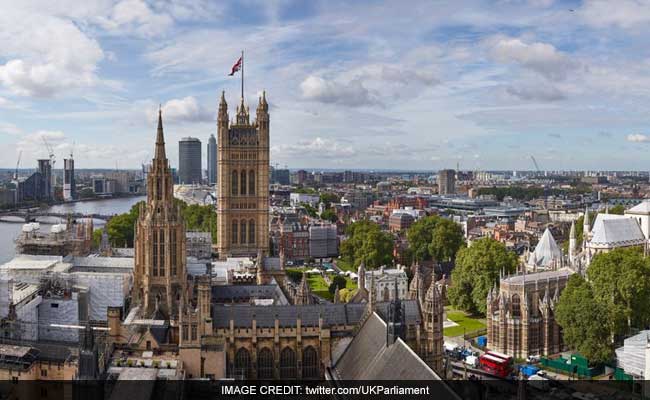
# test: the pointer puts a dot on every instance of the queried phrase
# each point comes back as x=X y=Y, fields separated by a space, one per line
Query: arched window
x=251 y=231
x=265 y=364
x=242 y=364
x=242 y=236
x=287 y=364
x=234 y=183
x=251 y=183
x=235 y=225
x=310 y=368
x=243 y=182
x=516 y=306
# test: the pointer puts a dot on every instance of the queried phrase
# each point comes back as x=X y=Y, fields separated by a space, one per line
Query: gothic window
x=173 y=259
x=243 y=182
x=185 y=334
x=287 y=364
x=310 y=368
x=155 y=253
x=194 y=331
x=251 y=182
x=158 y=190
x=233 y=183
x=235 y=225
x=516 y=306
x=251 y=231
x=265 y=364
x=161 y=265
x=242 y=236
x=242 y=364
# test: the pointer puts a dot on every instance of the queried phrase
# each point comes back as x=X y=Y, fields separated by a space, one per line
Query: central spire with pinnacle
x=160 y=139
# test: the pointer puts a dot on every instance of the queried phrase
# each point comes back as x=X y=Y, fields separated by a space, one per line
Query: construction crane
x=20 y=154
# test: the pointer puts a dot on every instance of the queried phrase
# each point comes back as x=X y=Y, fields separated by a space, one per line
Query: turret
x=222 y=120
x=361 y=275
x=572 y=243
x=262 y=120
x=585 y=226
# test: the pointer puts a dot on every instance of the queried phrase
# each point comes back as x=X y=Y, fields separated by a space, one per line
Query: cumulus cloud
x=351 y=94
x=138 y=18
x=317 y=147
x=543 y=58
x=45 y=55
x=187 y=109
x=638 y=138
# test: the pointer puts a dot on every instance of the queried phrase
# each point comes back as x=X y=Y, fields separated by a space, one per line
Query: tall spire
x=160 y=139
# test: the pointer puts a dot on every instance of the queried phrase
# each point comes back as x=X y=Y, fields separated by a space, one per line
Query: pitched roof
x=332 y=314
x=546 y=251
x=369 y=357
x=641 y=208
x=612 y=230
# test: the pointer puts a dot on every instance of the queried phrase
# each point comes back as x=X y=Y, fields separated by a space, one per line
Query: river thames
x=10 y=230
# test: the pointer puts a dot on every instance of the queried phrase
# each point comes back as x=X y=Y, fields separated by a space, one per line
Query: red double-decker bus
x=495 y=363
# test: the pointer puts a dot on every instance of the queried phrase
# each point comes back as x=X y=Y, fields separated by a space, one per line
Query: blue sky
x=363 y=84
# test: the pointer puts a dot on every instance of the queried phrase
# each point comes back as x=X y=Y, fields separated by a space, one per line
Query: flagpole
x=242 y=76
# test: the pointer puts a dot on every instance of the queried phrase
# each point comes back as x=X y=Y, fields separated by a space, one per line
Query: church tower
x=243 y=182
x=159 y=277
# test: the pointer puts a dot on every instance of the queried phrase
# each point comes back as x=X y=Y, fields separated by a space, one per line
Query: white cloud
x=351 y=94
x=45 y=55
x=317 y=147
x=187 y=109
x=138 y=18
x=638 y=138
x=542 y=58
x=625 y=14
x=8 y=128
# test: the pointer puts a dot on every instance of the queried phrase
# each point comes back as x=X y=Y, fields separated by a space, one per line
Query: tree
x=435 y=237
x=367 y=243
x=311 y=211
x=477 y=271
x=584 y=324
x=337 y=281
x=329 y=215
x=329 y=198
x=446 y=240
x=620 y=280
x=618 y=209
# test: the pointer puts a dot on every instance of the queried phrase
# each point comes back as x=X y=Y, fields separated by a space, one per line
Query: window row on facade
x=158 y=253
x=266 y=365
x=242 y=183
x=243 y=232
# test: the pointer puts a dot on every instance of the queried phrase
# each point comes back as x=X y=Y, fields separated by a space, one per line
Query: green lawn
x=345 y=265
x=318 y=286
x=466 y=323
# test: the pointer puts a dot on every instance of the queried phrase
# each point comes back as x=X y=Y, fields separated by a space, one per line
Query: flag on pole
x=235 y=67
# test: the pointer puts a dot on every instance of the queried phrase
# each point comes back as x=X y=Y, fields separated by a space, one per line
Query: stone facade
x=243 y=182
x=521 y=314
x=160 y=262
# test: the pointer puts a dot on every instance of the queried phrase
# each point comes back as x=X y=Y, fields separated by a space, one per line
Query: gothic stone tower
x=243 y=168
x=160 y=278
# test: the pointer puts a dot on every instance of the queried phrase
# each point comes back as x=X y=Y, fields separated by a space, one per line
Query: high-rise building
x=189 y=161
x=243 y=183
x=69 y=188
x=447 y=181
x=212 y=160
x=45 y=169
x=160 y=262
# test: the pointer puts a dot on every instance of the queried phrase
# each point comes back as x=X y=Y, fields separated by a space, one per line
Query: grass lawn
x=345 y=265
x=466 y=323
x=318 y=286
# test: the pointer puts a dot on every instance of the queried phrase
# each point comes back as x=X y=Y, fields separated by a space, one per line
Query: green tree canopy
x=435 y=237
x=621 y=282
x=337 y=281
x=329 y=198
x=366 y=242
x=617 y=209
x=584 y=324
x=329 y=215
x=477 y=270
x=121 y=228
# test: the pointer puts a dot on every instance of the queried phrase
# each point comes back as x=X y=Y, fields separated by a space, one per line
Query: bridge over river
x=33 y=215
